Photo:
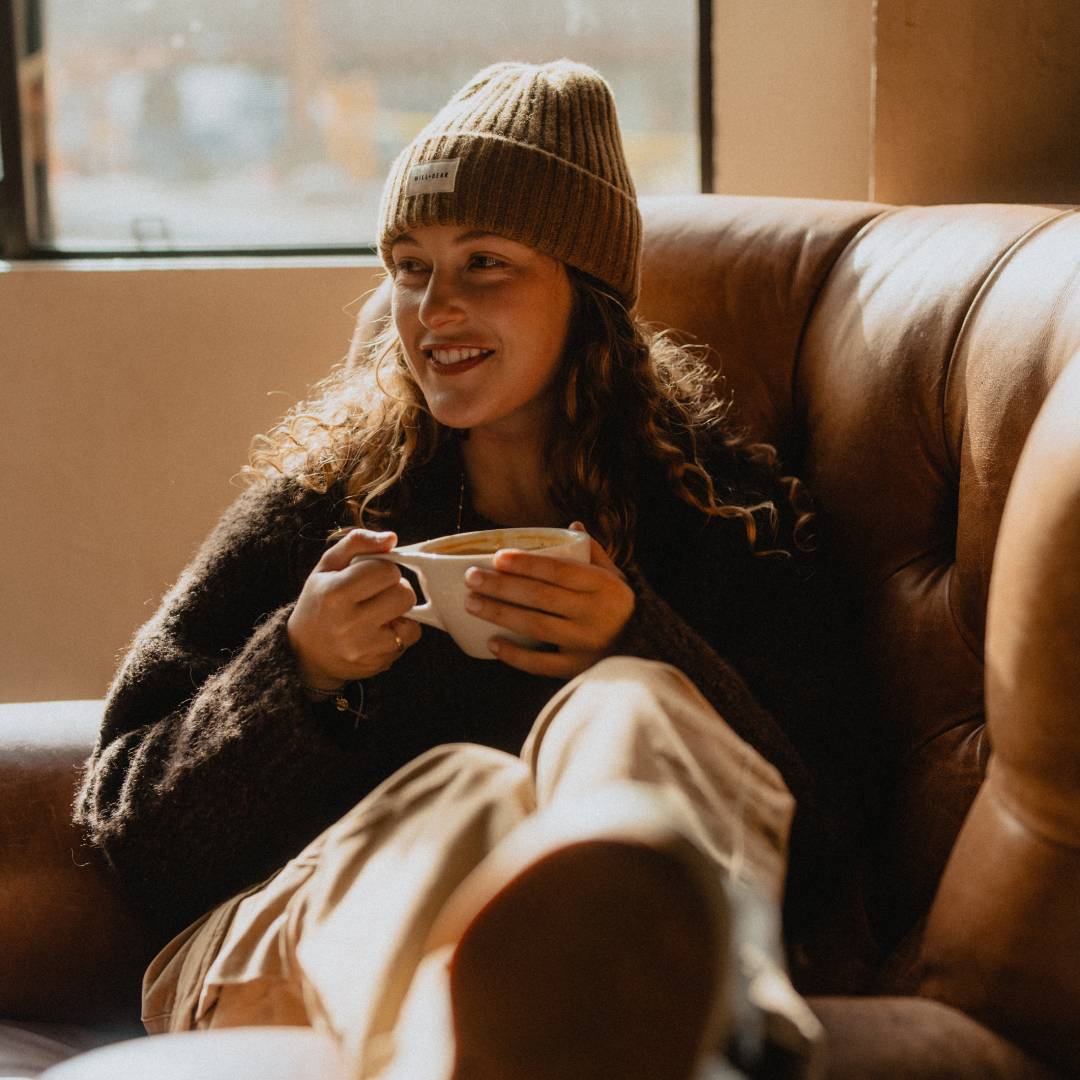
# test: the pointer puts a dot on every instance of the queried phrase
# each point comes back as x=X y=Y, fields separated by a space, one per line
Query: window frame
x=17 y=21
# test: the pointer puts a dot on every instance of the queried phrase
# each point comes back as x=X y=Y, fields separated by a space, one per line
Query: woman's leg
x=631 y=719
x=638 y=720
x=334 y=938
x=341 y=932
x=357 y=931
x=632 y=724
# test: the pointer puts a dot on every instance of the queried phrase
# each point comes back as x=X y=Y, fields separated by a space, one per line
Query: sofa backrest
x=901 y=357
x=897 y=356
x=926 y=361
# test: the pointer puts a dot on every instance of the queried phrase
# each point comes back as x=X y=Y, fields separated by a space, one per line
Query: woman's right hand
x=347 y=621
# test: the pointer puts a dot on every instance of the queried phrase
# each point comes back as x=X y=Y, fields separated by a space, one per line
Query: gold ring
x=398 y=642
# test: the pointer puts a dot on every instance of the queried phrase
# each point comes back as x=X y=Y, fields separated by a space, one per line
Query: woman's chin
x=456 y=419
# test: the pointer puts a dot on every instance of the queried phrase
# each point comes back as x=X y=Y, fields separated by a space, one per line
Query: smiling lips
x=453 y=361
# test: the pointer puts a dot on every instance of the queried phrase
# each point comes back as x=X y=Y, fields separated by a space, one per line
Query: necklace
x=461 y=499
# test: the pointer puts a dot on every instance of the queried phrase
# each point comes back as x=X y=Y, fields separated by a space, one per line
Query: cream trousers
x=335 y=939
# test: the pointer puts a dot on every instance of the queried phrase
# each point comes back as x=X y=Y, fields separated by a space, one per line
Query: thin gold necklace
x=461 y=499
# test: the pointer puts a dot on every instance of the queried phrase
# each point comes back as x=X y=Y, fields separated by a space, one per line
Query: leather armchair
x=920 y=368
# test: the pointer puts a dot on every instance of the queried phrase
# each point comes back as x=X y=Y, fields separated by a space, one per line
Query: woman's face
x=483 y=321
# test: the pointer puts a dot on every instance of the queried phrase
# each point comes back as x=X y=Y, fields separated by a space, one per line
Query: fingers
x=579 y=577
x=598 y=556
x=554 y=629
x=526 y=592
x=579 y=607
x=348 y=619
x=366 y=578
x=407 y=631
x=389 y=604
x=356 y=542
x=395 y=638
x=564 y=664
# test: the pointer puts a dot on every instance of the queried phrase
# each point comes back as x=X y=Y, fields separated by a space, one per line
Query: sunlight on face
x=483 y=320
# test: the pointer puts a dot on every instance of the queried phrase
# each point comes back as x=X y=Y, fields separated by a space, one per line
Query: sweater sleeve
x=211 y=768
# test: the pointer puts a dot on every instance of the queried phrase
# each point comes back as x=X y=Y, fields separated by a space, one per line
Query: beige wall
x=792 y=97
x=903 y=101
x=978 y=101
x=129 y=397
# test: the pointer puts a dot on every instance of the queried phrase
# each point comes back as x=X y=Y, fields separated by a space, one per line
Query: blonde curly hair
x=631 y=397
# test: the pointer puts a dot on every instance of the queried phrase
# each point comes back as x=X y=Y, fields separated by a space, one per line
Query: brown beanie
x=532 y=152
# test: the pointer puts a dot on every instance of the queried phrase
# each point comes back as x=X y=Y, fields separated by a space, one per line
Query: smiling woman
x=465 y=301
x=570 y=852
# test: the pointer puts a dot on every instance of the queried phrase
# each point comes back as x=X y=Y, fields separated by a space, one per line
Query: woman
x=348 y=823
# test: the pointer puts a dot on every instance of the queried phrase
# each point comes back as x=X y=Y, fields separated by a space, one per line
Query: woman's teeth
x=456 y=356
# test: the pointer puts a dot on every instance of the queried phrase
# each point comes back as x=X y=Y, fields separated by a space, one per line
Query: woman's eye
x=407 y=266
x=486 y=262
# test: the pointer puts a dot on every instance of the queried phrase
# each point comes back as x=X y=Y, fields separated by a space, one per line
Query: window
x=195 y=125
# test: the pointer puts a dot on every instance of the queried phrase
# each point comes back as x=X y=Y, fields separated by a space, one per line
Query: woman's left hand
x=580 y=607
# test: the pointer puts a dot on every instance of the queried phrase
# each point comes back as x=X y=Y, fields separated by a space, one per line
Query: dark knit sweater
x=212 y=768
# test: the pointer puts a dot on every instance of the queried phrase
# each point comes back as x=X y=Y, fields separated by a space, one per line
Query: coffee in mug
x=441 y=564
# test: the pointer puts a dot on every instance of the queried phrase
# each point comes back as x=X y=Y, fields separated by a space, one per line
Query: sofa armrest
x=73 y=949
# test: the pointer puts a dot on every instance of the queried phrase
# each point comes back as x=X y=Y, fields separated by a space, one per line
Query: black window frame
x=20 y=44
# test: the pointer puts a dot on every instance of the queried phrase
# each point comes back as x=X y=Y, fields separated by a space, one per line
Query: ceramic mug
x=441 y=563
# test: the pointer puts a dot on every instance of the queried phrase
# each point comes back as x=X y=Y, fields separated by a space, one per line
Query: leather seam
x=977 y=723
x=950 y=570
x=992 y=274
x=811 y=307
x=944 y=544
x=1011 y=809
x=965 y=636
x=954 y=454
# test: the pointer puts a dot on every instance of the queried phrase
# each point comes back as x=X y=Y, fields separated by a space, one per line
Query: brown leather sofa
x=920 y=367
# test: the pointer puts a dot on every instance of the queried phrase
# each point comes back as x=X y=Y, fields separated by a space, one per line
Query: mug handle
x=421 y=613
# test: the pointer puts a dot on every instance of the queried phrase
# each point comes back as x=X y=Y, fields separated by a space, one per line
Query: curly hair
x=631 y=398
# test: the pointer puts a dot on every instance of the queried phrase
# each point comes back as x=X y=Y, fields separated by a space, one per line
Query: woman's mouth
x=454 y=361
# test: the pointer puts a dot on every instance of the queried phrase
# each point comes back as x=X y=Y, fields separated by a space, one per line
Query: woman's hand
x=580 y=607
x=347 y=621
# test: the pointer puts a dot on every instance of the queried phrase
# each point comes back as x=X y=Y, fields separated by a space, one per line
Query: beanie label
x=432 y=176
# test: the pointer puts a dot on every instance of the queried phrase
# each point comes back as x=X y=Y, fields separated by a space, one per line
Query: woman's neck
x=506 y=480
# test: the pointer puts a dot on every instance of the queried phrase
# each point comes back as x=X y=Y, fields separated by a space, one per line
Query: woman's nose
x=441 y=302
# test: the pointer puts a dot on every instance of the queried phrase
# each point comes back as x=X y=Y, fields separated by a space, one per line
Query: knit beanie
x=532 y=152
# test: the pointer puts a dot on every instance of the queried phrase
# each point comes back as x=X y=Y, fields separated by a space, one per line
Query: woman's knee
x=632 y=677
x=604 y=705
x=629 y=668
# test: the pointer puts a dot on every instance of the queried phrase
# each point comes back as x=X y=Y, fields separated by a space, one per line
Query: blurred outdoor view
x=172 y=124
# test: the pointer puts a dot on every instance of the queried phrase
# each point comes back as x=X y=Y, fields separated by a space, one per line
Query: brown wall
x=977 y=101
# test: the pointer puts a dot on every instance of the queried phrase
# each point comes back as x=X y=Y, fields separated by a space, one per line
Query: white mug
x=441 y=564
